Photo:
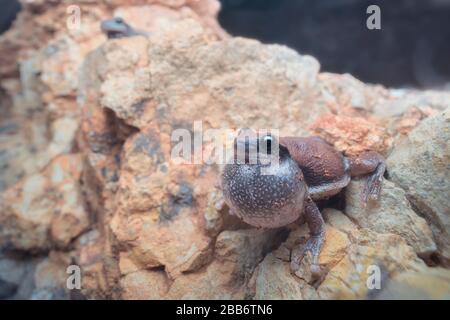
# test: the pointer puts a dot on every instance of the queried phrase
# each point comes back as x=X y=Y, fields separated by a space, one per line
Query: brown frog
x=309 y=169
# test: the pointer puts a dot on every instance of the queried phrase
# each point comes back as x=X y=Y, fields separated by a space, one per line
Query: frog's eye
x=268 y=141
x=118 y=20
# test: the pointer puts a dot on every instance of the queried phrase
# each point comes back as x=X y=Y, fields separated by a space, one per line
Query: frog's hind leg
x=372 y=164
x=314 y=244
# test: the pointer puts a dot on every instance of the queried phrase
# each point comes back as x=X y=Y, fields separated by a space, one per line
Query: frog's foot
x=373 y=184
x=219 y=204
x=373 y=165
x=312 y=248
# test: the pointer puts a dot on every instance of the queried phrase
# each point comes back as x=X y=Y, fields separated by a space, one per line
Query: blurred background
x=411 y=49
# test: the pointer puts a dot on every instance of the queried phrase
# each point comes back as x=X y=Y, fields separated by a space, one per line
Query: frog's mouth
x=246 y=151
x=113 y=28
x=255 y=151
x=114 y=34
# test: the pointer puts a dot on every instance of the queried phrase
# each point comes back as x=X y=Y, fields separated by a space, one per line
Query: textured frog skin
x=268 y=201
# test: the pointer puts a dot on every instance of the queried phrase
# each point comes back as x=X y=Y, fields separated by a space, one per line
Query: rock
x=49 y=63
x=45 y=209
x=353 y=134
x=154 y=16
x=209 y=284
x=13 y=268
x=20 y=143
x=44 y=109
x=333 y=250
x=213 y=217
x=35 y=277
x=99 y=270
x=346 y=256
x=274 y=281
x=18 y=270
x=341 y=222
x=334 y=247
x=209 y=90
x=419 y=165
x=347 y=279
x=392 y=213
x=51 y=273
x=126 y=264
x=61 y=59
x=412 y=117
x=345 y=92
x=50 y=277
x=217 y=217
x=243 y=249
x=428 y=284
x=47 y=90
x=403 y=109
x=144 y=285
x=169 y=233
x=399 y=101
x=237 y=253
x=164 y=243
x=26 y=149
x=49 y=294
x=127 y=84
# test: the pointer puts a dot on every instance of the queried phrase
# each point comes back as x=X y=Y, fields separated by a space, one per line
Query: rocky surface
x=46 y=209
x=88 y=178
x=420 y=165
x=391 y=214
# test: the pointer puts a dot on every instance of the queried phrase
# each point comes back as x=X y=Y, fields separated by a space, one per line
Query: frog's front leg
x=373 y=164
x=314 y=244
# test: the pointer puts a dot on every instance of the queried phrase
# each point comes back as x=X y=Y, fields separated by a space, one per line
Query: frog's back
x=325 y=169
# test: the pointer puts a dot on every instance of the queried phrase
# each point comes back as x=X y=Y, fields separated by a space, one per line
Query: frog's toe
x=311 y=252
x=295 y=265
x=372 y=188
x=314 y=246
x=296 y=259
x=316 y=272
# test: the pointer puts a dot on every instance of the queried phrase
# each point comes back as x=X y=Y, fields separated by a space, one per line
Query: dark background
x=8 y=11
x=412 y=49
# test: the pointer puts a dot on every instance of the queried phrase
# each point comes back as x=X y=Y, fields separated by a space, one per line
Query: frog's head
x=115 y=28
x=253 y=148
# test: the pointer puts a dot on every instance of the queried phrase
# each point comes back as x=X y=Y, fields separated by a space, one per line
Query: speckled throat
x=268 y=201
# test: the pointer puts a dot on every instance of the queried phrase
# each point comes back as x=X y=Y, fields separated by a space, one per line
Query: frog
x=274 y=181
x=117 y=28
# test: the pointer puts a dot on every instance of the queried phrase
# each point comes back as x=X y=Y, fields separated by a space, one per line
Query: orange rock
x=334 y=247
x=145 y=285
x=45 y=210
x=412 y=117
x=352 y=134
